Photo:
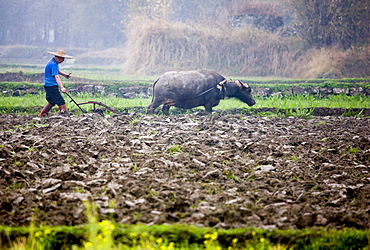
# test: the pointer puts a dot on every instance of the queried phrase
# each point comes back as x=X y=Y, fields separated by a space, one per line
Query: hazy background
x=283 y=38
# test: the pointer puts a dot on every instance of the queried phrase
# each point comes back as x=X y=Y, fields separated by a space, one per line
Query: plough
x=95 y=103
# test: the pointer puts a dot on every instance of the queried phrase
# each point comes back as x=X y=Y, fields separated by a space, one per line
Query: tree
x=154 y=9
x=95 y=24
x=67 y=23
x=333 y=22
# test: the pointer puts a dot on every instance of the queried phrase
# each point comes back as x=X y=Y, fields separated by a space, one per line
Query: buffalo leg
x=152 y=107
x=210 y=104
x=166 y=109
x=208 y=108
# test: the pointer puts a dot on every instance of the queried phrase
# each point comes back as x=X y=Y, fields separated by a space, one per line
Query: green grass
x=174 y=149
x=100 y=73
x=32 y=103
x=301 y=101
x=105 y=234
x=113 y=73
x=17 y=68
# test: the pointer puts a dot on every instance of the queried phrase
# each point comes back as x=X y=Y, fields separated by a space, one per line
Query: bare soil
x=216 y=170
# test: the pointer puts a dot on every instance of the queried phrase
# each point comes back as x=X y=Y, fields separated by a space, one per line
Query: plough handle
x=83 y=111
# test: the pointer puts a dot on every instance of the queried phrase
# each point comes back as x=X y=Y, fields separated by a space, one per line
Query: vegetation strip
x=297 y=105
x=108 y=235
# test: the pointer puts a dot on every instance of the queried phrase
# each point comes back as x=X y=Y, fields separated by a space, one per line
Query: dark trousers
x=53 y=96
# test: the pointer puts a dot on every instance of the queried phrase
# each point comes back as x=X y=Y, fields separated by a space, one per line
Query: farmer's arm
x=65 y=75
x=60 y=84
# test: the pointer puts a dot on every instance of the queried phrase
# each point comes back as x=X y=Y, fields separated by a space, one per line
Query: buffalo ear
x=246 y=85
x=239 y=84
x=242 y=84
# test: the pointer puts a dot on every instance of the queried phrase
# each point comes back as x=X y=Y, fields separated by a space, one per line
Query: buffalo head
x=242 y=91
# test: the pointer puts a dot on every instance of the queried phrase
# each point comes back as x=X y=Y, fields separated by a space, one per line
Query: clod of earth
x=224 y=171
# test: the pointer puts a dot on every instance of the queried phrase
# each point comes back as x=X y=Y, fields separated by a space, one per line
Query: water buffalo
x=189 y=89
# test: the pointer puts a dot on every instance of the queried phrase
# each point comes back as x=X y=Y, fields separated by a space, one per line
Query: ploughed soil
x=219 y=170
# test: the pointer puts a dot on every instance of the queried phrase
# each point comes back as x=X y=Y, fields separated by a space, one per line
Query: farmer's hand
x=65 y=75
x=63 y=89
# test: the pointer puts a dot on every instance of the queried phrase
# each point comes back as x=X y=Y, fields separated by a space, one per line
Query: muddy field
x=221 y=171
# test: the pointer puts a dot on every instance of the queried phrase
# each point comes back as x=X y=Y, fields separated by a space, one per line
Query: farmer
x=52 y=83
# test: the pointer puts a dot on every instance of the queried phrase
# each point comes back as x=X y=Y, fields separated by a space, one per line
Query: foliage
x=174 y=149
x=333 y=22
x=311 y=101
x=351 y=113
x=85 y=24
x=150 y=8
x=237 y=7
x=107 y=234
x=275 y=85
x=300 y=112
x=32 y=103
x=295 y=105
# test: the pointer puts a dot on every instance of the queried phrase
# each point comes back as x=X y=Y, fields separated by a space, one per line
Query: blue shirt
x=51 y=70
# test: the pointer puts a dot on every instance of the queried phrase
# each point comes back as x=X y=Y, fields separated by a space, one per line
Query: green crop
x=32 y=104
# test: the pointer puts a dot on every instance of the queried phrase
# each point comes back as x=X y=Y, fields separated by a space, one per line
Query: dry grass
x=157 y=46
x=358 y=62
x=335 y=63
x=324 y=62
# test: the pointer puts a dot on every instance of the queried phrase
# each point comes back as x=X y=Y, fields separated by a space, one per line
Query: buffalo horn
x=223 y=82
x=220 y=85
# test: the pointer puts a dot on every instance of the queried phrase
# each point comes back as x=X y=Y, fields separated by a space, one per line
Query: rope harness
x=220 y=86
